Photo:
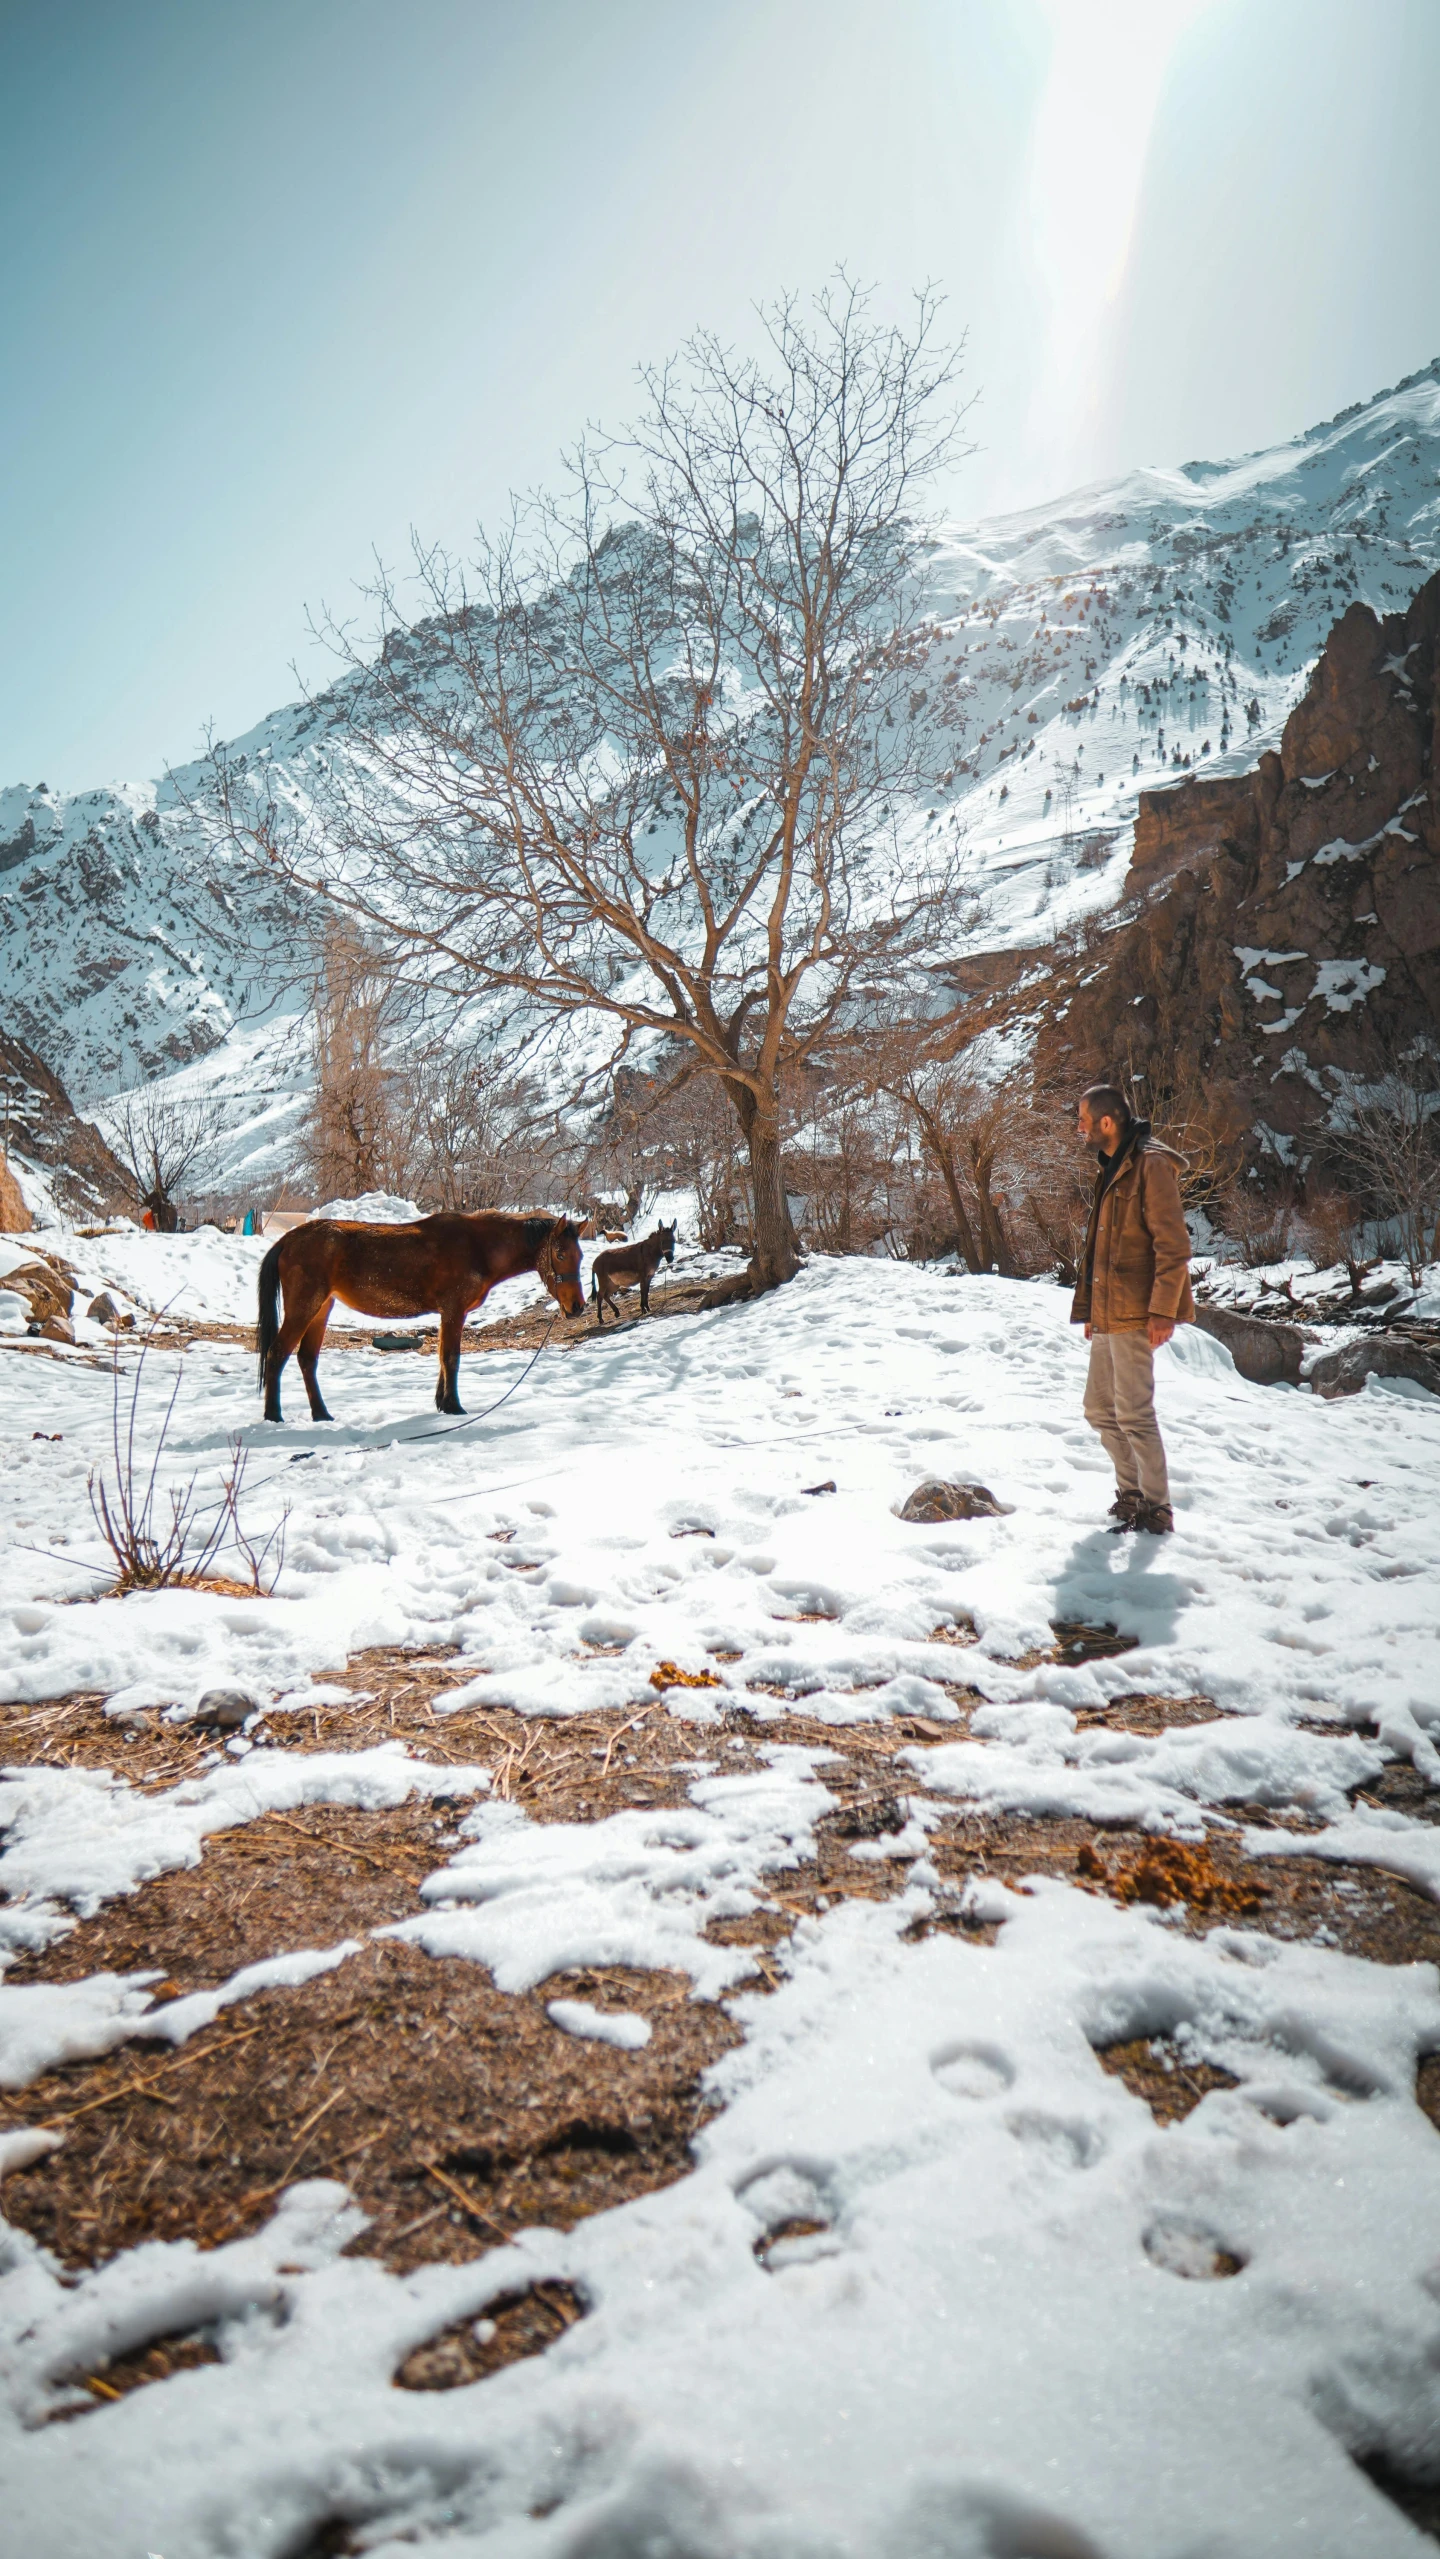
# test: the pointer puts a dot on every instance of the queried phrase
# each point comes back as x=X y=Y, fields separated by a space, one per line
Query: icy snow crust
x=1085 y=651
x=1016 y=2328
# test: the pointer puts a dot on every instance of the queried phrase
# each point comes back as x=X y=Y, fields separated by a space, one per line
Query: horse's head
x=558 y=1264
x=667 y=1238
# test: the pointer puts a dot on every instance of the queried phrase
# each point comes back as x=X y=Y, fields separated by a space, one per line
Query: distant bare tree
x=695 y=1144
x=479 y=1141
x=636 y=762
x=1259 y=1212
x=966 y=1129
x=166 y=1140
x=851 y=1160
x=361 y=1134
x=1209 y=1140
x=1333 y=1228
x=1390 y=1145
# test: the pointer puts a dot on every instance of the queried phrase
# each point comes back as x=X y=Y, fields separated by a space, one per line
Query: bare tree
x=1259 y=1213
x=1334 y=1231
x=636 y=762
x=1390 y=1145
x=843 y=1162
x=361 y=1133
x=479 y=1140
x=676 y=1133
x=961 y=1123
x=166 y=1140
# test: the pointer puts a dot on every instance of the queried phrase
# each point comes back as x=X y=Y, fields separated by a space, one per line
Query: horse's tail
x=594 y=1286
x=267 y=1327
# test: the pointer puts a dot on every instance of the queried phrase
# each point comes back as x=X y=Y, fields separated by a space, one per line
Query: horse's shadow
x=1123 y=1579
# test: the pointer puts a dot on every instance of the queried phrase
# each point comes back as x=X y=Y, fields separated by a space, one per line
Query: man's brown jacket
x=1137 y=1249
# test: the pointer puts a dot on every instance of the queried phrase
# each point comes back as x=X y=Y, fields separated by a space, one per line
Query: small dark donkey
x=630 y=1266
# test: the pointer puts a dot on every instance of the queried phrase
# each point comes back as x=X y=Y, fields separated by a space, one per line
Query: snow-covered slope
x=1157 y=624
x=1134 y=630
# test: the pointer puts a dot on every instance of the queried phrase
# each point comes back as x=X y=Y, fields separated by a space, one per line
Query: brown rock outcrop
x=15 y=1217
x=1268 y=1354
x=42 y=1129
x=1288 y=932
x=48 y=1287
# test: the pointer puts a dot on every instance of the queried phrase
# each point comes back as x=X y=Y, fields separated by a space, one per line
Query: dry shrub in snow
x=161 y=1538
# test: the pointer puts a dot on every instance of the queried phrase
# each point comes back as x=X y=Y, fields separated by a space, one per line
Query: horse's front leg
x=293 y=1330
x=447 y=1385
x=308 y=1354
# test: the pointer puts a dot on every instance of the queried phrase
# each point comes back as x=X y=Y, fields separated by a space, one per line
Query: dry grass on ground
x=458 y=2115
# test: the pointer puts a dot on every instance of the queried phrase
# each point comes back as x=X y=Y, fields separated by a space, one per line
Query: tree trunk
x=774 y=1257
x=964 y=1235
x=775 y=1250
x=994 y=1243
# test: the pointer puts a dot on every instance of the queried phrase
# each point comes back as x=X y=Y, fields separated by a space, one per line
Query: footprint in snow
x=1188 y=2249
x=973 y=2070
x=1072 y=2144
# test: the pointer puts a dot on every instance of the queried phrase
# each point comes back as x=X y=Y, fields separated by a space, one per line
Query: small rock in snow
x=224 y=1709
x=934 y=1500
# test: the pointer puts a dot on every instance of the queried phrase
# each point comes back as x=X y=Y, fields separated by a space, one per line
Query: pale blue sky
x=281 y=278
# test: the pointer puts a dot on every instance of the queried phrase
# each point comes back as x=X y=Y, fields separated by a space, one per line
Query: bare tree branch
x=637 y=760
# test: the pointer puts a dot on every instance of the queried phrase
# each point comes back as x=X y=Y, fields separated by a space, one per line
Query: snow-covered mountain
x=1146 y=627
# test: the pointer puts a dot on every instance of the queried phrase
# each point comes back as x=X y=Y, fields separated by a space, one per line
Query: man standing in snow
x=1134 y=1289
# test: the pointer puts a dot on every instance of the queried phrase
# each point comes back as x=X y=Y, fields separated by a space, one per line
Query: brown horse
x=443 y=1266
x=634 y=1266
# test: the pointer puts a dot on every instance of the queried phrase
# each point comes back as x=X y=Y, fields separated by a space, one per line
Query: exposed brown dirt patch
x=1364 y=1910
x=455 y=2113
x=159 y=2361
x=1171 y=2085
x=1139 y=1712
x=285 y=1880
x=1075 y=1641
x=516 y=2325
x=1401 y=1789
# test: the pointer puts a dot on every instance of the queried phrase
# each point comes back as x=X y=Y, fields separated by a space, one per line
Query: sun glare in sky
x=1108 y=64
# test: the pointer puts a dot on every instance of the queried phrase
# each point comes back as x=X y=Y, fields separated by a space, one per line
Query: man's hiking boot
x=1153 y=1519
x=1125 y=1510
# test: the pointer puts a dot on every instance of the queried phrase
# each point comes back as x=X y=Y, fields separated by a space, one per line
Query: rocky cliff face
x=53 y=1154
x=1287 y=937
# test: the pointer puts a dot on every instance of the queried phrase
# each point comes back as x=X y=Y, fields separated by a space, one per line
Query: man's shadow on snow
x=1124 y=1580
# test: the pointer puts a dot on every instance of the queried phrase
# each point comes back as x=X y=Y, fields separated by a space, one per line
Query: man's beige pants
x=1120 y=1405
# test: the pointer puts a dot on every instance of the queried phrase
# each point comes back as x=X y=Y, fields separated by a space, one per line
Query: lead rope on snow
x=302 y=1456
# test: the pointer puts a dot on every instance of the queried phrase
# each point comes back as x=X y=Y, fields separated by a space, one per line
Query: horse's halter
x=545 y=1259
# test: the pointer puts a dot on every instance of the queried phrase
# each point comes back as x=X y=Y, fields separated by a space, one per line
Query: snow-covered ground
x=1301 y=1585
x=997 y=2338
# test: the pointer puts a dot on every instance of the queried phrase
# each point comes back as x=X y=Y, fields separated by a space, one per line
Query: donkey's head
x=558 y=1263
x=665 y=1236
